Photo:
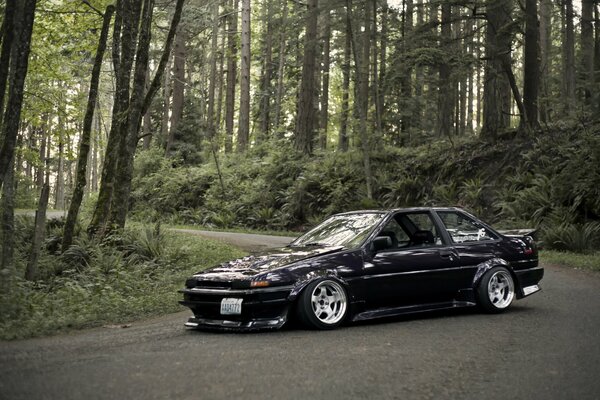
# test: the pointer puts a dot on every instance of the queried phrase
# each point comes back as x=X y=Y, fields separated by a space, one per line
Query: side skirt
x=394 y=311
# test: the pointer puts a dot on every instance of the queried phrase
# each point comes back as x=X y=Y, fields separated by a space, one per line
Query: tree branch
x=164 y=59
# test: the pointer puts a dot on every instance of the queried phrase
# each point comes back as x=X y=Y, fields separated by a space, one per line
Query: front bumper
x=262 y=308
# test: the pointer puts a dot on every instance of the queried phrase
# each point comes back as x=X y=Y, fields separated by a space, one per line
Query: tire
x=496 y=290
x=323 y=304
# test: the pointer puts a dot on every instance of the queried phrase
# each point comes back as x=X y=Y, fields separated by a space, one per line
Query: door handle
x=447 y=254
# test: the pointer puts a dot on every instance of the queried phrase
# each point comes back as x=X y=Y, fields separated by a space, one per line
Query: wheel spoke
x=328 y=302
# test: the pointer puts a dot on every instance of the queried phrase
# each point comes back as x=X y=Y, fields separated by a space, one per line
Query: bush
x=130 y=276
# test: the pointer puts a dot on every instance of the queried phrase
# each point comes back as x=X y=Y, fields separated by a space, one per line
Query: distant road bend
x=545 y=347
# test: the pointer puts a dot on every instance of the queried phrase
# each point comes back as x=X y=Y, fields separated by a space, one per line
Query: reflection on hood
x=264 y=262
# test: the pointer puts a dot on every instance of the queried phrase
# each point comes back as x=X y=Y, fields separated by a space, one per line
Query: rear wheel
x=496 y=290
x=323 y=304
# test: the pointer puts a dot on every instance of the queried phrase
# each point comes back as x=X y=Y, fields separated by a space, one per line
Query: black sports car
x=369 y=264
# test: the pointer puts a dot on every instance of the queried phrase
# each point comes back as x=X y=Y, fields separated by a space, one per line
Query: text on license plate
x=231 y=306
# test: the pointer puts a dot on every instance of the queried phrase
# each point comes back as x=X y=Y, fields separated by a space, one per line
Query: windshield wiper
x=315 y=244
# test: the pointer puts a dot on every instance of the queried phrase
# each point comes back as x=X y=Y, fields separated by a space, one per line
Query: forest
x=129 y=116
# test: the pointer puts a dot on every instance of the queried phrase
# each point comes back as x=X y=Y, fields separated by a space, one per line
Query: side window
x=463 y=229
x=408 y=230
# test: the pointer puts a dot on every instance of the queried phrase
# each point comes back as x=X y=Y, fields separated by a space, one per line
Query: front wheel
x=323 y=304
x=496 y=290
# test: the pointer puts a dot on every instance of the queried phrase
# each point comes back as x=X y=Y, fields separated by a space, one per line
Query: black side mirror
x=382 y=243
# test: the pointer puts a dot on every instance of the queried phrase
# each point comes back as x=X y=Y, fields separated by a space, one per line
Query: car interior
x=407 y=230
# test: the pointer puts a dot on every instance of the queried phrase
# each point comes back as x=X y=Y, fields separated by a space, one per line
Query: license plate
x=230 y=306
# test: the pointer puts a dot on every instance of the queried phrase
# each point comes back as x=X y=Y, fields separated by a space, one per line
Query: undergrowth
x=126 y=277
x=548 y=181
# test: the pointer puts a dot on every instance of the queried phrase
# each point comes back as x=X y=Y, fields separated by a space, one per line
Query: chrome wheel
x=328 y=301
x=501 y=289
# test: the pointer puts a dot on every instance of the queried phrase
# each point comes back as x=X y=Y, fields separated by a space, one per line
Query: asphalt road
x=545 y=347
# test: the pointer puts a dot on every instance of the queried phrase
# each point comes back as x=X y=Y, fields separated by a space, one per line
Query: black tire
x=323 y=304
x=496 y=290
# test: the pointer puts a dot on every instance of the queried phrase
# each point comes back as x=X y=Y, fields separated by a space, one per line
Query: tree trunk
x=587 y=50
x=281 y=64
x=597 y=56
x=164 y=124
x=139 y=104
x=12 y=116
x=304 y=132
x=214 y=42
x=446 y=93
x=531 y=74
x=84 y=141
x=120 y=200
x=8 y=35
x=324 y=118
x=343 y=133
x=569 y=58
x=128 y=12
x=39 y=231
x=244 y=121
x=231 y=74
x=406 y=79
x=179 y=54
x=147 y=124
x=361 y=64
x=59 y=203
x=495 y=87
x=219 y=113
x=266 y=75
x=8 y=222
x=545 y=46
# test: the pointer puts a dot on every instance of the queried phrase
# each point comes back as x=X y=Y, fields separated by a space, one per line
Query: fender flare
x=489 y=264
x=313 y=276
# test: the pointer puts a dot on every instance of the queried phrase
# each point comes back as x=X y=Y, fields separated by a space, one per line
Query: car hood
x=249 y=266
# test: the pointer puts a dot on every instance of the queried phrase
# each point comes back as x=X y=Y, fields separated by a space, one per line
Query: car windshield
x=347 y=230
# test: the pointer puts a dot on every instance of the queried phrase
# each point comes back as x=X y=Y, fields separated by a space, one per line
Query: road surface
x=545 y=347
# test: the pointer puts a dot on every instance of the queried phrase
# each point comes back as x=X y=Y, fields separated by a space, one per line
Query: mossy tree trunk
x=84 y=141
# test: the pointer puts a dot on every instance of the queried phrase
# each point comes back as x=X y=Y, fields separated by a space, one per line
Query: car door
x=473 y=242
x=417 y=266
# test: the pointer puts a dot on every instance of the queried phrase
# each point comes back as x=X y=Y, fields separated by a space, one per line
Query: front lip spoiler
x=223 y=324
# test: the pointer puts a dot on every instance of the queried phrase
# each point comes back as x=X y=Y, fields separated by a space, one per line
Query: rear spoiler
x=520 y=232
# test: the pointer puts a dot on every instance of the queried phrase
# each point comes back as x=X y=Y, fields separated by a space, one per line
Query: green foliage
x=590 y=261
x=548 y=184
x=129 y=276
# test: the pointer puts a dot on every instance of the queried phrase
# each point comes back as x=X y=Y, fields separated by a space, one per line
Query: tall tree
x=231 y=73
x=587 y=49
x=179 y=57
x=361 y=64
x=266 y=73
x=210 y=115
x=324 y=117
x=345 y=112
x=446 y=93
x=244 y=122
x=569 y=81
x=23 y=25
x=305 y=120
x=8 y=34
x=111 y=208
x=281 y=63
x=545 y=47
x=498 y=39
x=84 y=140
x=531 y=75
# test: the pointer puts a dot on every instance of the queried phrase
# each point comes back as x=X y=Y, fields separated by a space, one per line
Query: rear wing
x=520 y=232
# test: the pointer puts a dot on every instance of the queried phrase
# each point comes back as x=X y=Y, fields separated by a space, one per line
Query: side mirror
x=382 y=243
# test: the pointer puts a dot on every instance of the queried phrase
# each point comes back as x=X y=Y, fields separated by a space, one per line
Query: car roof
x=404 y=209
